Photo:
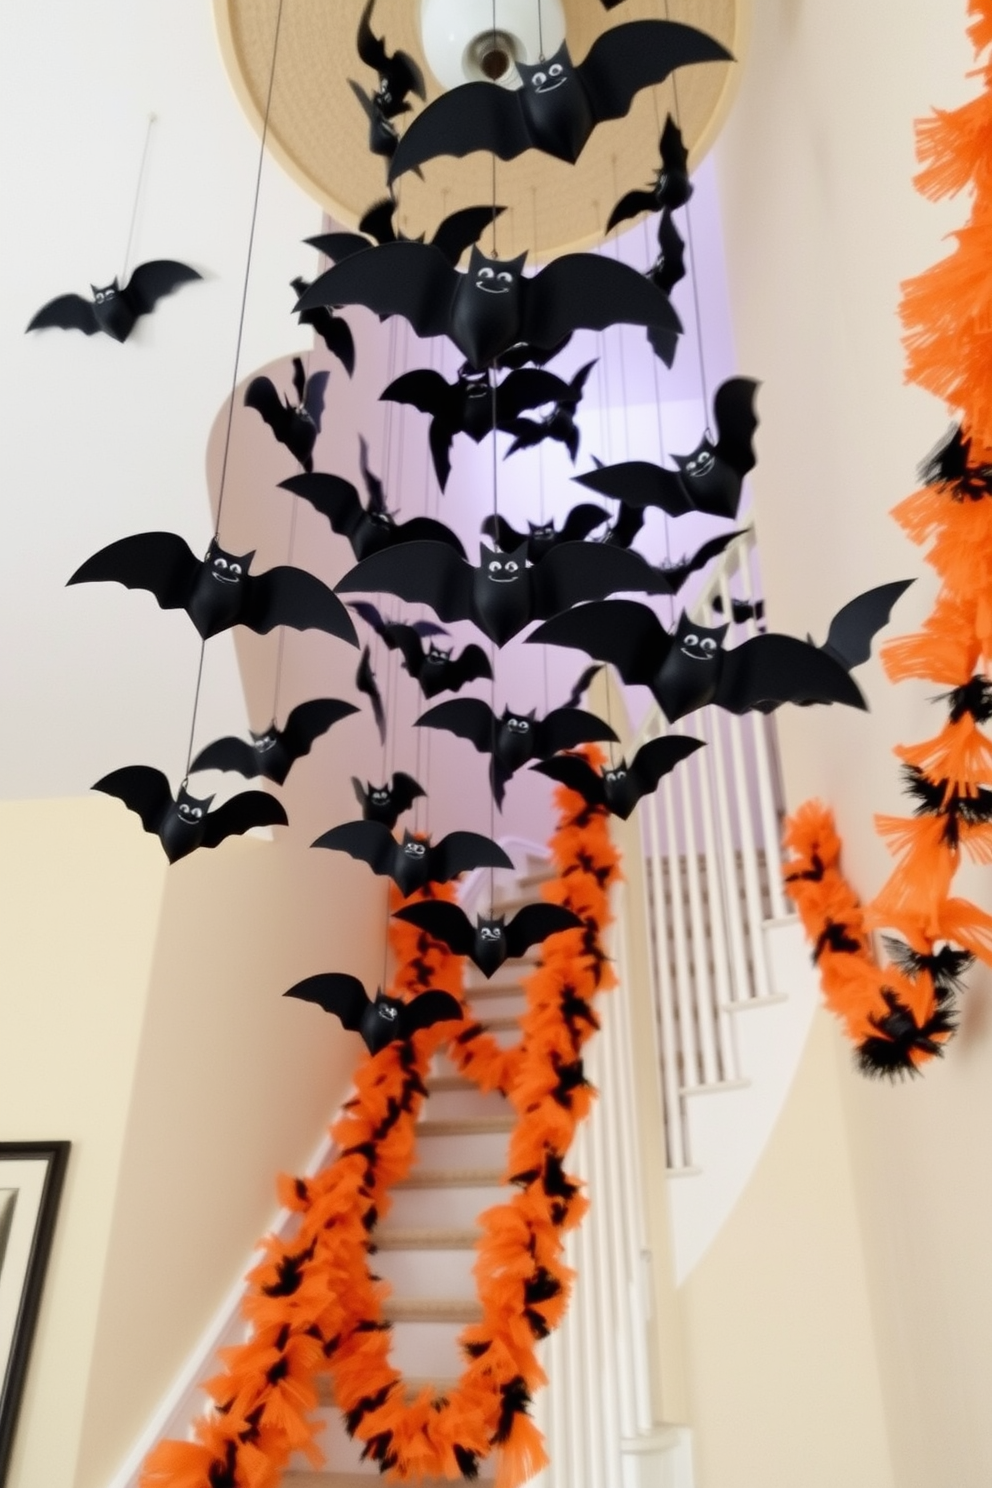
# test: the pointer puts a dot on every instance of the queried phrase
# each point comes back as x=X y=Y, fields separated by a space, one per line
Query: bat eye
x=220 y=563
x=505 y=278
x=196 y=813
x=512 y=567
x=487 y=274
x=389 y=1013
x=690 y=640
x=415 y=849
x=708 y=645
x=495 y=567
x=184 y=810
x=99 y=297
x=539 y=79
x=555 y=70
x=236 y=569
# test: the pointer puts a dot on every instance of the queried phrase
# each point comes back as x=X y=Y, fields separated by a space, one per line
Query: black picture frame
x=34 y=1174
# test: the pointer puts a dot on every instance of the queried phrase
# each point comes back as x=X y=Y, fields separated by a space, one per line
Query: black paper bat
x=560 y=102
x=455 y=234
x=857 y=623
x=218 y=591
x=672 y=187
x=434 y=669
x=513 y=740
x=619 y=787
x=185 y=823
x=666 y=271
x=296 y=425
x=503 y=594
x=114 y=310
x=493 y=306
x=491 y=941
x=625 y=527
x=690 y=669
x=709 y=479
x=467 y=405
x=385 y=1021
x=398 y=73
x=387 y=803
x=273 y=754
x=383 y=137
x=582 y=685
x=369 y=528
x=544 y=536
x=414 y=862
x=365 y=682
x=742 y=610
x=559 y=424
x=332 y=330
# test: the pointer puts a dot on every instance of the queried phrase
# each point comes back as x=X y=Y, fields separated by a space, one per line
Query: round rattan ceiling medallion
x=318 y=131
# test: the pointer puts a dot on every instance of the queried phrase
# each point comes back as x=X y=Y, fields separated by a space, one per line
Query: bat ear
x=520 y=554
x=516 y=265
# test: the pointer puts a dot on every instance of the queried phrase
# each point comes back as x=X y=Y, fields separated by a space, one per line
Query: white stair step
x=428 y=1347
x=507 y=1002
x=362 y=1479
x=504 y=983
x=391 y=1237
x=458 y=1144
x=458 y=1310
x=420 y=1274
x=460 y=1197
x=452 y=1099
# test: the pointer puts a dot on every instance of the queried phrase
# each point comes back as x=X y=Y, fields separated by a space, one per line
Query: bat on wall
x=387 y=803
x=218 y=591
x=115 y=310
x=436 y=670
x=489 y=942
x=560 y=102
x=184 y=823
x=273 y=753
x=332 y=330
x=414 y=862
x=386 y=1020
x=619 y=787
x=296 y=425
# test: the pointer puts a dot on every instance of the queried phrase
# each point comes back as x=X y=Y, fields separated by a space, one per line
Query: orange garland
x=899 y=1016
x=314 y=1306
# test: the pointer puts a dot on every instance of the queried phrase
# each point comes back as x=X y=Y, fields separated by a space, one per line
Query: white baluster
x=609 y=1161
x=664 y=992
x=688 y=780
x=683 y=978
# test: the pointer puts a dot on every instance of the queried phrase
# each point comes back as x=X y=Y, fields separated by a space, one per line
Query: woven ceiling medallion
x=318 y=132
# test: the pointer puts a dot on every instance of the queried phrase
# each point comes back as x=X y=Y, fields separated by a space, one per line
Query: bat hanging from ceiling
x=415 y=861
x=218 y=591
x=489 y=942
x=543 y=536
x=387 y=803
x=398 y=73
x=435 y=670
x=273 y=753
x=619 y=787
x=369 y=528
x=332 y=330
x=558 y=424
x=455 y=235
x=672 y=187
x=381 y=1022
x=112 y=309
x=560 y=102
x=296 y=425
x=493 y=306
x=365 y=682
x=184 y=823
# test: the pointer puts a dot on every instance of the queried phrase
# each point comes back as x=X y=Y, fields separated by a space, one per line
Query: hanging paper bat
x=332 y=330
x=383 y=137
x=398 y=73
x=742 y=610
x=560 y=102
x=521 y=353
x=112 y=309
x=186 y=823
x=273 y=754
x=218 y=591
x=544 y=536
x=503 y=594
x=559 y=424
x=494 y=305
x=387 y=803
x=489 y=942
x=434 y=669
x=365 y=682
x=628 y=523
x=667 y=271
x=691 y=669
x=513 y=740
x=385 y=1021
x=369 y=528
x=857 y=623
x=467 y=405
x=619 y=787
x=414 y=862
x=950 y=464
x=709 y=480
x=672 y=187
x=582 y=685
x=296 y=425
x=455 y=234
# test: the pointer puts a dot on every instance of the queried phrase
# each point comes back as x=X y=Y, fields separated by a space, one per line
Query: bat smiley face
x=698 y=643
x=503 y=568
x=494 y=281
x=264 y=742
x=547 y=77
x=190 y=811
x=700 y=463
x=690 y=673
x=436 y=657
x=227 y=568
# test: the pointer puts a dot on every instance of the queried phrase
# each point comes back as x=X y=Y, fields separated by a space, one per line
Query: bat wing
x=261 y=395
x=772 y=669
x=419 y=572
x=368 y=841
x=429 y=1008
x=228 y=754
x=534 y=923
x=658 y=758
x=736 y=421
x=857 y=623
x=405 y=640
x=336 y=993
x=638 y=483
x=528 y=387
x=577 y=571
x=369 y=614
x=334 y=332
x=291 y=596
x=499 y=531
x=460 y=852
x=626 y=527
x=466 y=667
x=617 y=630
x=422 y=389
x=582 y=520
x=335 y=498
x=575 y=696
x=475 y=116
x=370 y=47
x=585 y=291
x=632 y=205
x=160 y=562
x=426 y=529
x=409 y=279
x=563 y=728
x=639 y=55
x=155 y=279
x=577 y=774
x=469 y=718
x=378 y=221
x=142 y=789
x=241 y=813
x=445 y=922
x=404 y=791
x=673 y=576
x=338 y=246
x=365 y=682
x=69 y=312
x=313 y=399
x=308 y=721
x=462 y=229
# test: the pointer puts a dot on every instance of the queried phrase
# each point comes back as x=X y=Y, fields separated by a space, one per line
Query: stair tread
x=452 y=1178
x=466 y=1126
x=482 y=991
x=396 y=1237
x=432 y=1310
x=363 y=1480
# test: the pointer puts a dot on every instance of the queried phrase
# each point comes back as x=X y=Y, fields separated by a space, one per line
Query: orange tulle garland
x=900 y=1014
x=315 y=1307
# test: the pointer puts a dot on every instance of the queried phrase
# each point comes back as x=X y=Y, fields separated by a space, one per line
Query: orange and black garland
x=314 y=1305
x=900 y=1015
